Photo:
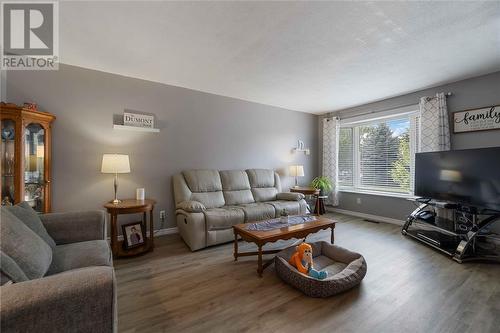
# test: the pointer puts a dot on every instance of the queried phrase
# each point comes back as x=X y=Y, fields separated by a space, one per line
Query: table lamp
x=115 y=163
x=296 y=171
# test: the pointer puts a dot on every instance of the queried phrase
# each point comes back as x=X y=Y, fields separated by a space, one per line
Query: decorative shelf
x=136 y=129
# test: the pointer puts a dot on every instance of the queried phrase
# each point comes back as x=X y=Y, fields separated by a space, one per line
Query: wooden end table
x=260 y=238
x=319 y=206
x=131 y=206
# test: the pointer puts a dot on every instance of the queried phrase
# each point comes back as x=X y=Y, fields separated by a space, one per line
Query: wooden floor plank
x=408 y=288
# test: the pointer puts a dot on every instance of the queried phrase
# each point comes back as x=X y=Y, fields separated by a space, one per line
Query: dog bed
x=345 y=270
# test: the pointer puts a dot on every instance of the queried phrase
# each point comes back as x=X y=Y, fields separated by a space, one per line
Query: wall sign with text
x=138 y=120
x=482 y=119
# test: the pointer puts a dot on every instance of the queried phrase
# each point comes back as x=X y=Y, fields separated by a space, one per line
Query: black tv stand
x=456 y=237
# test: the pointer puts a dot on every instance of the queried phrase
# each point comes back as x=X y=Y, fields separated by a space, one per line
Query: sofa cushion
x=264 y=194
x=209 y=199
x=203 y=180
x=206 y=187
x=238 y=197
x=80 y=255
x=223 y=218
x=28 y=216
x=30 y=252
x=258 y=211
x=9 y=270
x=264 y=184
x=291 y=207
x=261 y=177
x=233 y=180
x=236 y=187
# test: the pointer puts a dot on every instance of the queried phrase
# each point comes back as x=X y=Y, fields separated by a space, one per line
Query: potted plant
x=323 y=184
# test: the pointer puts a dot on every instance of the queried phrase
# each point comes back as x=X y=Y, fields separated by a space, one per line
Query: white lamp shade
x=297 y=170
x=115 y=163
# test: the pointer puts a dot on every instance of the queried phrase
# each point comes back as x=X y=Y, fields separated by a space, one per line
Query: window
x=378 y=155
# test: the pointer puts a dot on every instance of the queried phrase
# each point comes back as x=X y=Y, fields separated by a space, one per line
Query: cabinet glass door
x=34 y=166
x=8 y=161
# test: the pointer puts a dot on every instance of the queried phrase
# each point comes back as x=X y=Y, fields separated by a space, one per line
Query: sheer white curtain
x=434 y=124
x=331 y=130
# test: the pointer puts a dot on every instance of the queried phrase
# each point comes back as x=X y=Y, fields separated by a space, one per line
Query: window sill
x=380 y=193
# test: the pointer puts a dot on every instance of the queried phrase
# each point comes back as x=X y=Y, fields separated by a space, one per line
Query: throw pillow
x=29 y=216
x=9 y=270
x=30 y=252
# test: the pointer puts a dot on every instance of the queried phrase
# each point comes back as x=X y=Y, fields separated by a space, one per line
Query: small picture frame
x=133 y=235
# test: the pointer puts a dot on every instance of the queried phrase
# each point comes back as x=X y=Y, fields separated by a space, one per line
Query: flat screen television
x=469 y=177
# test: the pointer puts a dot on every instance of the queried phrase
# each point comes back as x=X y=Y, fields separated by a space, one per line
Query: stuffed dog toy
x=302 y=259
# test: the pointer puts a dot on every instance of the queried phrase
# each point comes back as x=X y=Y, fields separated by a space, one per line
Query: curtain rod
x=448 y=94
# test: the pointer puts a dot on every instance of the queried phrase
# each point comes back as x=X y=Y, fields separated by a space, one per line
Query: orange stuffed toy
x=302 y=259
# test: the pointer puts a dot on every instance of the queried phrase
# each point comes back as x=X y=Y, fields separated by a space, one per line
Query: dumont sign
x=138 y=120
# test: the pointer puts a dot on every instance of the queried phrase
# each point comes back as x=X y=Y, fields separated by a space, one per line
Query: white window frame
x=412 y=113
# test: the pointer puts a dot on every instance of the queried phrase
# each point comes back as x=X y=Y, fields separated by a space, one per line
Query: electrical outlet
x=358 y=201
x=162 y=215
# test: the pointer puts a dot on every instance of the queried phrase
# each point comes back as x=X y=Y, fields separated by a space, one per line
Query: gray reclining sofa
x=209 y=202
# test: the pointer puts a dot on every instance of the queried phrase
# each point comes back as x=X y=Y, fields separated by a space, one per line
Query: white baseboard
x=160 y=232
x=366 y=216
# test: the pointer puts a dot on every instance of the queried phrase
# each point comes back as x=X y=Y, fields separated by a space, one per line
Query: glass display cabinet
x=25 y=156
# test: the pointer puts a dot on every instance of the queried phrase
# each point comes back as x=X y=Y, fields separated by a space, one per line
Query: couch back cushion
x=236 y=187
x=264 y=184
x=30 y=252
x=205 y=187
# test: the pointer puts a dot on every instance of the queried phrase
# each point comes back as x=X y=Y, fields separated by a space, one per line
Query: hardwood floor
x=408 y=288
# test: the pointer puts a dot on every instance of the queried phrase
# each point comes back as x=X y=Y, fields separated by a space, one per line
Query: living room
x=235 y=137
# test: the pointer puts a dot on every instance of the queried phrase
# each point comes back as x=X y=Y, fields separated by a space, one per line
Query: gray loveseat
x=56 y=272
x=209 y=202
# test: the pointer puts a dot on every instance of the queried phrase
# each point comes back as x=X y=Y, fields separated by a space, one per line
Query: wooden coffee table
x=260 y=238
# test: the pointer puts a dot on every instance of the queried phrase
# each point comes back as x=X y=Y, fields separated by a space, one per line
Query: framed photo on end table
x=133 y=235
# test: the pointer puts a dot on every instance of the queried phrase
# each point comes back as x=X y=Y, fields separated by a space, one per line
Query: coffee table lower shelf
x=260 y=238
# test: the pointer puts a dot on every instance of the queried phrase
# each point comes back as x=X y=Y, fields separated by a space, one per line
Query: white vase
x=140 y=194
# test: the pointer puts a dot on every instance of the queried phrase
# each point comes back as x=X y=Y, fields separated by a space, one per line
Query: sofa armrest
x=290 y=196
x=191 y=206
x=74 y=227
x=80 y=300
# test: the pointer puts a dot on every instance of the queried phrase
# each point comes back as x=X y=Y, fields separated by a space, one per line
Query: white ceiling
x=307 y=56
